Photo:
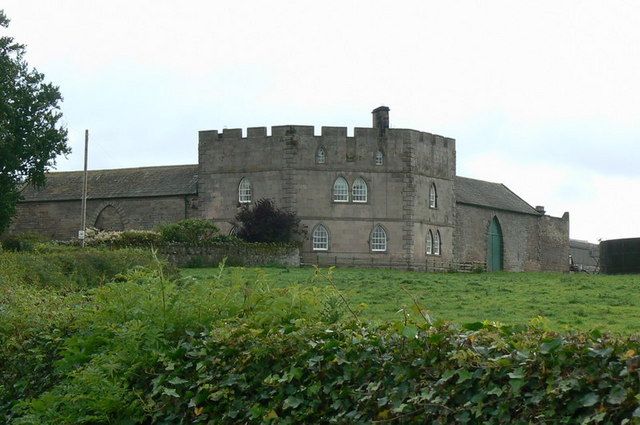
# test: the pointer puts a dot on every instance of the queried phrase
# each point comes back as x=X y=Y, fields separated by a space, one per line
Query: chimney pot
x=540 y=209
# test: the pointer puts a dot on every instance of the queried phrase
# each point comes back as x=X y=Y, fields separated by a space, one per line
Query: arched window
x=436 y=243
x=379 y=158
x=359 y=190
x=320 y=238
x=433 y=196
x=429 y=242
x=340 y=190
x=321 y=156
x=378 y=239
x=244 y=191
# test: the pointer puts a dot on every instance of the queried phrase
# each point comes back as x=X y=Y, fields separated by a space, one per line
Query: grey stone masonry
x=398 y=166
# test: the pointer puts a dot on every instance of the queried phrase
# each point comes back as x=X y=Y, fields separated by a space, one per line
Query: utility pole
x=83 y=230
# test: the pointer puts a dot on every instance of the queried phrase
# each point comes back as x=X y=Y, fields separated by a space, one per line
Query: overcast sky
x=543 y=96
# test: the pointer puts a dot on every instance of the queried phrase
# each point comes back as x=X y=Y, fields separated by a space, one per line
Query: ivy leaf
x=617 y=395
x=600 y=352
x=495 y=391
x=170 y=392
x=177 y=381
x=517 y=374
x=589 y=399
x=551 y=345
x=464 y=375
x=410 y=331
x=516 y=384
x=292 y=402
x=271 y=415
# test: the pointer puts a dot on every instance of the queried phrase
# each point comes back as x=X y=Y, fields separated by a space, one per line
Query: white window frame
x=379 y=158
x=244 y=191
x=436 y=243
x=429 y=242
x=343 y=194
x=359 y=191
x=379 y=240
x=320 y=238
x=321 y=156
x=433 y=196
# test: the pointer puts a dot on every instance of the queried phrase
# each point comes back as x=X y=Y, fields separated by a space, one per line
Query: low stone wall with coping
x=237 y=255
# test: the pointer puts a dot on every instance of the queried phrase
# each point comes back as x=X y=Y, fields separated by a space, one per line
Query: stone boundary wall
x=245 y=255
x=431 y=264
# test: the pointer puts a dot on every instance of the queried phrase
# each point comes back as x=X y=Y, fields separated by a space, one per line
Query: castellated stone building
x=385 y=197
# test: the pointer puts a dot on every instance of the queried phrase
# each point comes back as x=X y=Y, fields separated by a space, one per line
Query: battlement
x=209 y=136
x=379 y=131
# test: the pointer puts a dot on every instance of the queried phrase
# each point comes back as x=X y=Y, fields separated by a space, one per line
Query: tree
x=30 y=134
x=264 y=222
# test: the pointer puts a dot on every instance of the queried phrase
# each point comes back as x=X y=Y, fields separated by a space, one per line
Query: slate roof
x=491 y=195
x=118 y=183
x=183 y=180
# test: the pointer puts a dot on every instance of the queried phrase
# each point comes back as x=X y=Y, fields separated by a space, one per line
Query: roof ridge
x=125 y=168
x=490 y=195
x=478 y=180
x=516 y=195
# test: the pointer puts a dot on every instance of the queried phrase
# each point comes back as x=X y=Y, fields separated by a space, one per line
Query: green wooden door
x=494 y=246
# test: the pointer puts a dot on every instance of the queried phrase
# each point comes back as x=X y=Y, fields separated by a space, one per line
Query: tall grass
x=566 y=301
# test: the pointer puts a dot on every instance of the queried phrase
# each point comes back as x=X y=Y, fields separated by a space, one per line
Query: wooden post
x=84 y=189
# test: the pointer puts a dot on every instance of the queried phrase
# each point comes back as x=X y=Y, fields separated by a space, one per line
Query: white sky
x=543 y=96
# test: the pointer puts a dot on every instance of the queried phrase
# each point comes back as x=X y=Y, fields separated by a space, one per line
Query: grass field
x=567 y=301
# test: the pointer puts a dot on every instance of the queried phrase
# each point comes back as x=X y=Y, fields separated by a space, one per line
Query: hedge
x=304 y=373
x=69 y=267
x=147 y=349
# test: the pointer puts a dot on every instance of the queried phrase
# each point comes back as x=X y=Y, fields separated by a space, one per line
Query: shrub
x=233 y=349
x=69 y=268
x=42 y=294
x=27 y=241
x=125 y=239
x=101 y=371
x=397 y=373
x=191 y=231
x=264 y=222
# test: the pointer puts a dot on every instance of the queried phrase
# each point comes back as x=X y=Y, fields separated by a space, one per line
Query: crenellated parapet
x=360 y=134
x=398 y=167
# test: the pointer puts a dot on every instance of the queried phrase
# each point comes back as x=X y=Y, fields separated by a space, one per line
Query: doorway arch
x=495 y=246
x=110 y=219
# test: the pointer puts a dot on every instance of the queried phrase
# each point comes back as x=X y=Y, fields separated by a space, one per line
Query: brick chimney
x=381 y=118
x=540 y=209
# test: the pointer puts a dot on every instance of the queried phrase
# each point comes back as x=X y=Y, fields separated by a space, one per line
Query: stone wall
x=282 y=167
x=61 y=219
x=530 y=242
x=586 y=256
x=243 y=255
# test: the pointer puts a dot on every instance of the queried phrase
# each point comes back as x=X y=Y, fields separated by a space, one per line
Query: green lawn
x=567 y=301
